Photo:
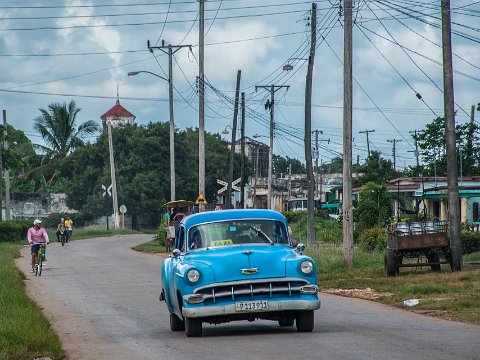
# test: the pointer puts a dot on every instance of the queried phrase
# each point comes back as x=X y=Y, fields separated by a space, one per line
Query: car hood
x=244 y=262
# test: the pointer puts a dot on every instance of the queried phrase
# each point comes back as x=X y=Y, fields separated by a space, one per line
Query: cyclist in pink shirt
x=37 y=236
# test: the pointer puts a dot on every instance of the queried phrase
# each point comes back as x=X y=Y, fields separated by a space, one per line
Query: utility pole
x=347 y=137
x=308 y=130
x=452 y=174
x=316 y=165
x=415 y=152
x=255 y=183
x=170 y=50
x=270 y=105
x=470 y=138
x=289 y=181
x=394 y=142
x=242 y=150
x=116 y=218
x=368 y=142
x=7 y=172
x=318 y=183
x=228 y=199
x=201 y=103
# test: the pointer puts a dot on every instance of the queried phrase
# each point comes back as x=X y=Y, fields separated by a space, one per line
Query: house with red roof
x=117 y=116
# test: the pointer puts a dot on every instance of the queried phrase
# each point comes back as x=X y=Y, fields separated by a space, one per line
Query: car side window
x=179 y=241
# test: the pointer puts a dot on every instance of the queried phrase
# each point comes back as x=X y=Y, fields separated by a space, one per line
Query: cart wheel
x=390 y=263
x=448 y=256
x=434 y=258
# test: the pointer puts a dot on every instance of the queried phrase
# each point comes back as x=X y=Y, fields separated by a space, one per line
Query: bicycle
x=63 y=235
x=40 y=259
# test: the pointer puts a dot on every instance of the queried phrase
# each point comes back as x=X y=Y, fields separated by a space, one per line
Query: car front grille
x=251 y=288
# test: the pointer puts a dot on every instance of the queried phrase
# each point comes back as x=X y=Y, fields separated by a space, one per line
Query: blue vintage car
x=238 y=265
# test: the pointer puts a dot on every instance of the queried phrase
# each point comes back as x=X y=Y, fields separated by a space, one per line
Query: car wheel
x=286 y=322
x=193 y=327
x=176 y=324
x=305 y=321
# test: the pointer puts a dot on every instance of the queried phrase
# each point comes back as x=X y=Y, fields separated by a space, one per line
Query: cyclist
x=37 y=236
x=69 y=226
x=60 y=229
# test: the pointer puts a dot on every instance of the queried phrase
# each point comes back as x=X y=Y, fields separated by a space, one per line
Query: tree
x=19 y=159
x=376 y=169
x=58 y=129
x=281 y=165
x=142 y=170
x=373 y=207
x=431 y=143
x=334 y=166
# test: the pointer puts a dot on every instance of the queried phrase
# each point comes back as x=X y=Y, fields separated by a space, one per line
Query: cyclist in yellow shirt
x=69 y=226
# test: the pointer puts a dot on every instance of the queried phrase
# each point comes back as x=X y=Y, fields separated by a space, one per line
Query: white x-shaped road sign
x=225 y=185
x=107 y=190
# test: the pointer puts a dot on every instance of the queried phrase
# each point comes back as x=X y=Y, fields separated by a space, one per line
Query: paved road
x=102 y=299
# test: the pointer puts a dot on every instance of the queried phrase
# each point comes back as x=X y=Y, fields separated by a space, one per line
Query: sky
x=63 y=50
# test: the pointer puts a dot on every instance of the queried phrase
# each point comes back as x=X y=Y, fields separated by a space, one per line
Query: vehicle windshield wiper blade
x=262 y=234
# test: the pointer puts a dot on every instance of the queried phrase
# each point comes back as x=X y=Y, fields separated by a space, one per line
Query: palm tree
x=58 y=128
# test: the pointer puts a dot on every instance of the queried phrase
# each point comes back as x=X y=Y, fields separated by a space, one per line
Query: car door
x=176 y=262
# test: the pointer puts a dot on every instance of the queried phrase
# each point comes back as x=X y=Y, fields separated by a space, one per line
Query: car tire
x=286 y=322
x=176 y=324
x=193 y=327
x=305 y=321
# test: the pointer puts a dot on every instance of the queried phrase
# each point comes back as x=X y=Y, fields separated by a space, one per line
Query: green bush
x=161 y=235
x=295 y=216
x=470 y=242
x=11 y=231
x=372 y=239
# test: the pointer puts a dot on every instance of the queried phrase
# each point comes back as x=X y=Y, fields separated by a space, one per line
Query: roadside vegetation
x=24 y=332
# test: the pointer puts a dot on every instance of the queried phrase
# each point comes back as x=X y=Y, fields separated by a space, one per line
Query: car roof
x=237 y=214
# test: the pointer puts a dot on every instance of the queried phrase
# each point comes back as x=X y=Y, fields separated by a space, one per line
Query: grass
x=447 y=294
x=152 y=246
x=24 y=332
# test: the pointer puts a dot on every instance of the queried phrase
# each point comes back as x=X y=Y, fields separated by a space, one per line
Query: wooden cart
x=418 y=240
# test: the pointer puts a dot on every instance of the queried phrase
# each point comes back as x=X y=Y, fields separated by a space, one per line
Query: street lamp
x=225 y=131
x=134 y=73
x=172 y=124
x=288 y=66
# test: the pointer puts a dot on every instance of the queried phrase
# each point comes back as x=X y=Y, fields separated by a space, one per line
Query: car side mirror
x=300 y=247
x=176 y=252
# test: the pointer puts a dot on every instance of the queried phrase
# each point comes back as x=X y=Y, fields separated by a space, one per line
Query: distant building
x=117 y=116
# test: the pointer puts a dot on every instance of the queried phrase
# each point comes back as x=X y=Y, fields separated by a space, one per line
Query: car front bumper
x=229 y=309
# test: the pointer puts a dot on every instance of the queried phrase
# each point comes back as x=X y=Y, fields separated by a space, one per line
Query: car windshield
x=235 y=232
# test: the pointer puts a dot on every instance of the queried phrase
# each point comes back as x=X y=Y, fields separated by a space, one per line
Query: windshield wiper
x=262 y=234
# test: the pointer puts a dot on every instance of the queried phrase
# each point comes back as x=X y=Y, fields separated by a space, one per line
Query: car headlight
x=193 y=275
x=306 y=267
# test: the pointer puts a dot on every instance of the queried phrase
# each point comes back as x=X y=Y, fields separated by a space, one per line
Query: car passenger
x=195 y=241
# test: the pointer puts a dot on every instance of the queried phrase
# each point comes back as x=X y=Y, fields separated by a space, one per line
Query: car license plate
x=251 y=305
